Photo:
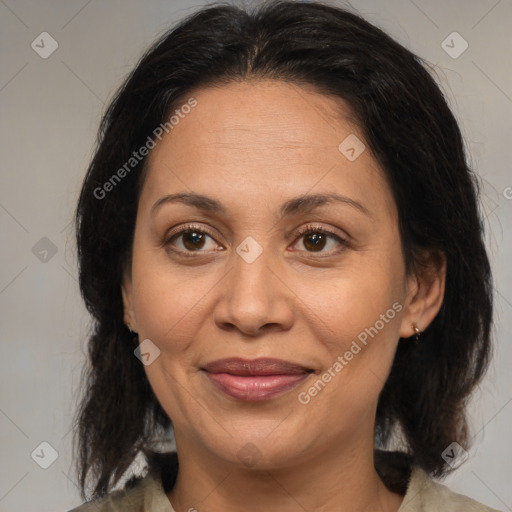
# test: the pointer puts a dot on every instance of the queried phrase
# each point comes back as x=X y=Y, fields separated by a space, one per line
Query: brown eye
x=190 y=239
x=315 y=241
x=193 y=240
x=316 y=238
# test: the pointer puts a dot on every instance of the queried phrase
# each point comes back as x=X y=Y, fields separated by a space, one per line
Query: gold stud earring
x=418 y=332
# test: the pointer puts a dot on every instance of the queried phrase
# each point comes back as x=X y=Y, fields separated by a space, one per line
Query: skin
x=251 y=146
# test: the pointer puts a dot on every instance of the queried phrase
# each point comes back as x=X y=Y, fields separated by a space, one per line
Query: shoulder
x=421 y=493
x=142 y=496
x=148 y=493
x=426 y=495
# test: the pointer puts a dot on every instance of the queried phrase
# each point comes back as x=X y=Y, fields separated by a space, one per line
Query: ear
x=425 y=293
x=126 y=290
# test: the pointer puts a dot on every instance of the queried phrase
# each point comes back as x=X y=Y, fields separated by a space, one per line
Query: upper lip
x=261 y=366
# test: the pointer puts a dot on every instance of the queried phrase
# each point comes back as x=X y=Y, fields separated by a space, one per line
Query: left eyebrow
x=307 y=203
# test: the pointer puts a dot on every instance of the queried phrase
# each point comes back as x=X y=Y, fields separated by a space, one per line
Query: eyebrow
x=296 y=205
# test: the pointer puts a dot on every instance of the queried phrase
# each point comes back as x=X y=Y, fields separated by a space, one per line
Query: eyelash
x=302 y=232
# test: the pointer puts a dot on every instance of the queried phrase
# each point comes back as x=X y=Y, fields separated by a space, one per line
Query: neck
x=344 y=479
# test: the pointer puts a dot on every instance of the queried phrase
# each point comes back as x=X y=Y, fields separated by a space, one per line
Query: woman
x=280 y=244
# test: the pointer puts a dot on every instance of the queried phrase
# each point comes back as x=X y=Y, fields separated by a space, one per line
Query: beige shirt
x=423 y=495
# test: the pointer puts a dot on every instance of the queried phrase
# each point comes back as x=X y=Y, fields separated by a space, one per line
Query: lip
x=254 y=380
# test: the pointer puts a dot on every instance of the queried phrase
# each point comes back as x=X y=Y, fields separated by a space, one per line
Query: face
x=233 y=275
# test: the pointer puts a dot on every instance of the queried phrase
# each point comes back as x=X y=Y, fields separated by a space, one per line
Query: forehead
x=256 y=115
x=277 y=138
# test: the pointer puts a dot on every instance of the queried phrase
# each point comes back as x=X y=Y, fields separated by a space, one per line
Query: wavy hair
x=415 y=138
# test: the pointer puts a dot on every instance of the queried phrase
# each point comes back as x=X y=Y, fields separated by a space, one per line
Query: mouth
x=256 y=379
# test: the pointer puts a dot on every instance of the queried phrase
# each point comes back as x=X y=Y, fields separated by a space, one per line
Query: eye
x=316 y=238
x=193 y=239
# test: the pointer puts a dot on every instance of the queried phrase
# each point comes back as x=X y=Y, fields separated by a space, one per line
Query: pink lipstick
x=256 y=379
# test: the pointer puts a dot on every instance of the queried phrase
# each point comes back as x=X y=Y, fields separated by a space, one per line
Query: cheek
x=360 y=343
x=358 y=319
x=358 y=305
x=170 y=301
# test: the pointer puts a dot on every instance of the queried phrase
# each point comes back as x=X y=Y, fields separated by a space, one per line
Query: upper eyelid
x=188 y=227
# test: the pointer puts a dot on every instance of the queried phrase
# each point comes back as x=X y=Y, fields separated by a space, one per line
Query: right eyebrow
x=199 y=201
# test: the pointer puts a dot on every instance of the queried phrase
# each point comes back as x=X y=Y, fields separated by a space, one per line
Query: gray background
x=50 y=113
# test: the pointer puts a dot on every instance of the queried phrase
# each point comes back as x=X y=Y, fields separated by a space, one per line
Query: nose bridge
x=251 y=271
x=254 y=296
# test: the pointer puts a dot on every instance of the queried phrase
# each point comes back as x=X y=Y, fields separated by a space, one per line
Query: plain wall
x=50 y=110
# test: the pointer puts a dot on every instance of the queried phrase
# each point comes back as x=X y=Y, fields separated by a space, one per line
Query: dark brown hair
x=413 y=135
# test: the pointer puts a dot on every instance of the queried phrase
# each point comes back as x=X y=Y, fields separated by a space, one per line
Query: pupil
x=195 y=237
x=318 y=240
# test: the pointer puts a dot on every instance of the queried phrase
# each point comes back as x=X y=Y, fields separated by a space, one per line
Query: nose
x=254 y=297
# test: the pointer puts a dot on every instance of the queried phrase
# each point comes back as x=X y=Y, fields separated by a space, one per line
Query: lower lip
x=255 y=388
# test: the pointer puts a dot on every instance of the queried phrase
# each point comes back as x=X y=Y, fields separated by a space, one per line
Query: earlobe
x=425 y=296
